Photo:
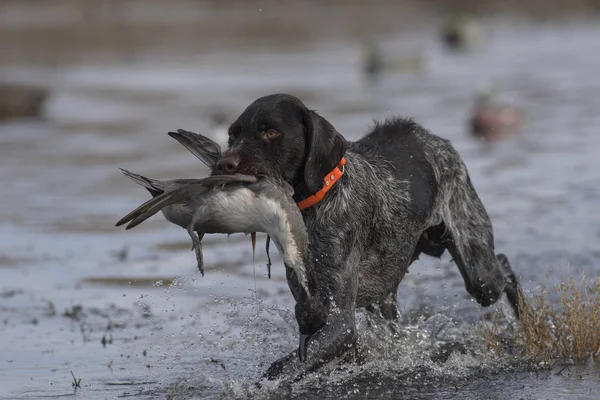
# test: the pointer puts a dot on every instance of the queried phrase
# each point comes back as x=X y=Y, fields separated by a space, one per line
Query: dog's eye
x=270 y=134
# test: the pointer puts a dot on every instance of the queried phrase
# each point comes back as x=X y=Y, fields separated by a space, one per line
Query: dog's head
x=277 y=135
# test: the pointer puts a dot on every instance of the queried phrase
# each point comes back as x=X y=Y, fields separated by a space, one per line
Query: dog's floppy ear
x=325 y=148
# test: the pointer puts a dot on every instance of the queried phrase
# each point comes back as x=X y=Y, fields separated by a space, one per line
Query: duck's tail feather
x=146 y=210
x=154 y=186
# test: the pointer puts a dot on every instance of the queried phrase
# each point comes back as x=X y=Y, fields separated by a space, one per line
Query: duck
x=492 y=121
x=461 y=32
x=374 y=63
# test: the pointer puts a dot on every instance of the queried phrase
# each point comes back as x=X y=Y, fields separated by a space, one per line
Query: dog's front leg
x=337 y=289
x=333 y=340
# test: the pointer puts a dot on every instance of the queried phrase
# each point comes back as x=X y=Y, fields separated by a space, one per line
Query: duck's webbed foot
x=197 y=246
x=199 y=254
x=268 y=257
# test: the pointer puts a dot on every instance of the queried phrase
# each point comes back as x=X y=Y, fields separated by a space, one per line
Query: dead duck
x=374 y=63
x=208 y=151
x=243 y=203
x=493 y=122
x=222 y=204
x=21 y=101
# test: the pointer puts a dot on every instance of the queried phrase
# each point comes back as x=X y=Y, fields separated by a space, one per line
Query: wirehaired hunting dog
x=371 y=207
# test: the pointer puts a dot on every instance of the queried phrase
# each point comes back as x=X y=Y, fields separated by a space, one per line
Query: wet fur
x=404 y=192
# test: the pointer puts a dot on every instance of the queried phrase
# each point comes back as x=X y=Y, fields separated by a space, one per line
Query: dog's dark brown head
x=278 y=136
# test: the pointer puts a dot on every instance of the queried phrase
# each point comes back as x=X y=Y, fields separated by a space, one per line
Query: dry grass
x=546 y=332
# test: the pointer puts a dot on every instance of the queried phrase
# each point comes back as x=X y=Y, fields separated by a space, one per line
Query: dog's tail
x=206 y=150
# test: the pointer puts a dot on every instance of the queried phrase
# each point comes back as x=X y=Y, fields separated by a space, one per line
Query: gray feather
x=206 y=150
x=184 y=193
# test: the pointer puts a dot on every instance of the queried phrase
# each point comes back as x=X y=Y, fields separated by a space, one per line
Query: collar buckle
x=330 y=180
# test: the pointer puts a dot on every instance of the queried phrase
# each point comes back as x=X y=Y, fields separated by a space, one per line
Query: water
x=151 y=326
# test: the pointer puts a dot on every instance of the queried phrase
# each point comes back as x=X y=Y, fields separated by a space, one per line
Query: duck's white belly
x=243 y=211
x=239 y=210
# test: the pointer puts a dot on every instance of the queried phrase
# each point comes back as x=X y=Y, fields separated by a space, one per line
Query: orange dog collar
x=330 y=180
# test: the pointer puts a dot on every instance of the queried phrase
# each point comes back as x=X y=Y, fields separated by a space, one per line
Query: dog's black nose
x=227 y=165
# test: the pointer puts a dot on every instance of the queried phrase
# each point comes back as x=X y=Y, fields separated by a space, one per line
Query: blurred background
x=87 y=86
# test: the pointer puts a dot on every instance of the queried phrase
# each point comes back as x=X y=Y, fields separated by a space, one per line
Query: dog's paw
x=275 y=371
x=282 y=368
x=278 y=389
x=486 y=295
x=289 y=369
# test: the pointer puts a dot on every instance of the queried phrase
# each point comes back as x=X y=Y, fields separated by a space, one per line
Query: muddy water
x=129 y=314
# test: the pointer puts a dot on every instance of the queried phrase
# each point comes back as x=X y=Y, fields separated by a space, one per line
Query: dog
x=371 y=207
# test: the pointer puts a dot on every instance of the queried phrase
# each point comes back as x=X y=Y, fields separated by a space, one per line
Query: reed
x=566 y=329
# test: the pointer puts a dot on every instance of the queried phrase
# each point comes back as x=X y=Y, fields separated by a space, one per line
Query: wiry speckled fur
x=404 y=192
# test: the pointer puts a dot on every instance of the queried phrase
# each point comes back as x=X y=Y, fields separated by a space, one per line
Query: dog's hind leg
x=512 y=289
x=432 y=243
x=471 y=244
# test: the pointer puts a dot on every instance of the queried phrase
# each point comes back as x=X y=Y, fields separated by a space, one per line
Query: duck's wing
x=206 y=150
x=156 y=186
x=184 y=193
x=154 y=205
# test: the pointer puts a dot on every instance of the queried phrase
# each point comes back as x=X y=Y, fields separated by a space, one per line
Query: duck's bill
x=303 y=346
